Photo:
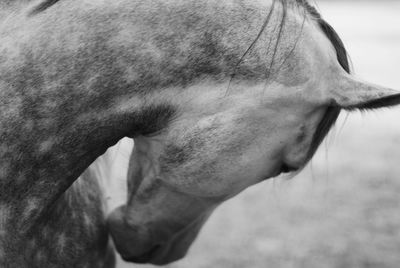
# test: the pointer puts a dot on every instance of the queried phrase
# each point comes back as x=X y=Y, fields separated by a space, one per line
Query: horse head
x=266 y=114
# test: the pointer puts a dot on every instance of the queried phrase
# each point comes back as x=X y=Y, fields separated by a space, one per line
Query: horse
x=217 y=96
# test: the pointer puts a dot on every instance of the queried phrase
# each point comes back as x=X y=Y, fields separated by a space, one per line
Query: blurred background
x=343 y=210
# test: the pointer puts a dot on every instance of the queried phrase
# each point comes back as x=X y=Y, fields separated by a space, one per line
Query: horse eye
x=287 y=169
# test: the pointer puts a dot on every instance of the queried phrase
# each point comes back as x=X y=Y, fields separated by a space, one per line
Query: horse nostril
x=287 y=169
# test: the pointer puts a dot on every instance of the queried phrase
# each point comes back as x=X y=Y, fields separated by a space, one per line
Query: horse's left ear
x=351 y=93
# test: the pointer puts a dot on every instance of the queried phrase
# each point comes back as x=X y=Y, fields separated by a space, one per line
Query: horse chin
x=133 y=247
x=159 y=255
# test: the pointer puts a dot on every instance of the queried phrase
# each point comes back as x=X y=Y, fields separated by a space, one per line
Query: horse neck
x=73 y=233
x=44 y=152
x=36 y=169
x=75 y=223
x=59 y=111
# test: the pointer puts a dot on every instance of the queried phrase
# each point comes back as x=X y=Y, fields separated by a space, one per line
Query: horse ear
x=352 y=93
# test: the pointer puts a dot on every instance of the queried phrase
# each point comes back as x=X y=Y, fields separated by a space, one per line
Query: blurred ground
x=343 y=210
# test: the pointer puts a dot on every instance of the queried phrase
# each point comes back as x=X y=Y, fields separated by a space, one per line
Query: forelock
x=329 y=32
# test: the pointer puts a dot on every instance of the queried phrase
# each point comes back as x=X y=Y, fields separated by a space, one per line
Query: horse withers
x=218 y=95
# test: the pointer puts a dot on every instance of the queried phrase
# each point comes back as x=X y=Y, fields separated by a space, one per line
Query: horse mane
x=332 y=112
x=43 y=6
x=331 y=34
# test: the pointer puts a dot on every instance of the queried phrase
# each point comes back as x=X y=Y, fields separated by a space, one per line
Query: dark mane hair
x=331 y=34
x=42 y=6
x=332 y=112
